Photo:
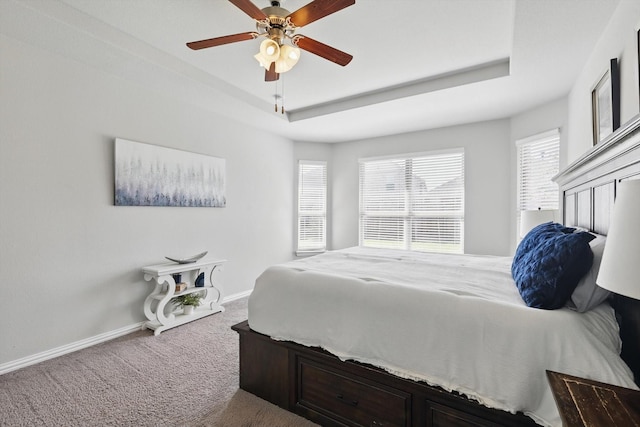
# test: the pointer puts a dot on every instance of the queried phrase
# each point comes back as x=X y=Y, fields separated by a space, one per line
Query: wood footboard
x=320 y=387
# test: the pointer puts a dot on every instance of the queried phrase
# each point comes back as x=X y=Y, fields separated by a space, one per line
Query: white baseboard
x=237 y=296
x=79 y=345
x=69 y=348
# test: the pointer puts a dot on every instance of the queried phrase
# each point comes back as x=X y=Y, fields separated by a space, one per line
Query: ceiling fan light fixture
x=263 y=61
x=270 y=50
x=277 y=25
x=289 y=57
x=292 y=53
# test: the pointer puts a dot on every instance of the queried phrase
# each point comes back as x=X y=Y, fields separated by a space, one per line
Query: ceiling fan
x=277 y=25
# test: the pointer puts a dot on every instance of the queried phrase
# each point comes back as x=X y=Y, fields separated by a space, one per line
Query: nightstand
x=587 y=403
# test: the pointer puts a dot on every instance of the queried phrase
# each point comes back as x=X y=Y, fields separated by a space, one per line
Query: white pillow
x=587 y=294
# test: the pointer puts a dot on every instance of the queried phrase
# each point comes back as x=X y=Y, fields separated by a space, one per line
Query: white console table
x=161 y=314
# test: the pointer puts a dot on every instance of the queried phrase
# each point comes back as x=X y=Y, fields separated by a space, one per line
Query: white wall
x=487 y=181
x=70 y=261
x=543 y=118
x=619 y=40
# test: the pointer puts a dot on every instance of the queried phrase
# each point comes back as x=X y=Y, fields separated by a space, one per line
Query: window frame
x=410 y=214
x=310 y=249
x=548 y=202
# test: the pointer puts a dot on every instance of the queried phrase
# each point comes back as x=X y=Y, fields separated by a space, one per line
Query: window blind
x=312 y=205
x=538 y=162
x=414 y=202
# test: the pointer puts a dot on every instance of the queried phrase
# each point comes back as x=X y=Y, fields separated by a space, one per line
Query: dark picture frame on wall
x=605 y=103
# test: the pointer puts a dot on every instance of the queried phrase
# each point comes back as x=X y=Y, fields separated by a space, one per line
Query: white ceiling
x=417 y=64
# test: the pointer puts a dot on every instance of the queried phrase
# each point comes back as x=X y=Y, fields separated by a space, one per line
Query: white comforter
x=456 y=321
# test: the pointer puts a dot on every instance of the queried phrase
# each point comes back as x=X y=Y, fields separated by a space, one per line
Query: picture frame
x=150 y=175
x=605 y=103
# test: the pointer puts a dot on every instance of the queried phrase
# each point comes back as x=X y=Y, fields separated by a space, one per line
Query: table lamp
x=529 y=219
x=620 y=268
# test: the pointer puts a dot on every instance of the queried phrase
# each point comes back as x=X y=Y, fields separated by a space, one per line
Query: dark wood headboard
x=588 y=188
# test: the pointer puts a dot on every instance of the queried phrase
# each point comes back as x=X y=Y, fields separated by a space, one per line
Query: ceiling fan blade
x=217 y=41
x=323 y=50
x=250 y=9
x=270 y=75
x=318 y=9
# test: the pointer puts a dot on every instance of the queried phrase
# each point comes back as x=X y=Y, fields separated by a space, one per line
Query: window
x=538 y=162
x=312 y=206
x=413 y=202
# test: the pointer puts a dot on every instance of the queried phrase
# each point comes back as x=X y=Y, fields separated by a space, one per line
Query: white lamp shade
x=263 y=62
x=620 y=268
x=530 y=219
x=289 y=57
x=269 y=52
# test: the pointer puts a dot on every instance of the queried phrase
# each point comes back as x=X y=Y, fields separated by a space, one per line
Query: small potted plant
x=188 y=302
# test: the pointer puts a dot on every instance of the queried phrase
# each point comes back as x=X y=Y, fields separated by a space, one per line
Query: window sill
x=310 y=252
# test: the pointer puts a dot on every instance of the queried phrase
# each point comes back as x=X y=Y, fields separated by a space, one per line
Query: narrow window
x=538 y=162
x=413 y=202
x=312 y=206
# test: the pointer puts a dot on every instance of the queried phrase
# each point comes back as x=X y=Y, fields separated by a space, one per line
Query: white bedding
x=456 y=321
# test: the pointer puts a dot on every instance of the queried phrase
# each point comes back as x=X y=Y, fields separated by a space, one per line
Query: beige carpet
x=186 y=376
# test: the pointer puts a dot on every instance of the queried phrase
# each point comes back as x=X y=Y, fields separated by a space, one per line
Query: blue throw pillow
x=538 y=234
x=549 y=267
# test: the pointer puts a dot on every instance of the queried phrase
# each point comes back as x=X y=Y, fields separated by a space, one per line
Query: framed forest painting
x=149 y=175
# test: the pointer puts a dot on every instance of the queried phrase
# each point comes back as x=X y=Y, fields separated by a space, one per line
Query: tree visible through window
x=413 y=202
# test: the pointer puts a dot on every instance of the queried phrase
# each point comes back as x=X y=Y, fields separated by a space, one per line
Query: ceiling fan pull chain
x=275 y=96
x=282 y=97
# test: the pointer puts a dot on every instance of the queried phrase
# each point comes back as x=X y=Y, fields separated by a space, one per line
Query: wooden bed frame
x=318 y=386
x=588 y=189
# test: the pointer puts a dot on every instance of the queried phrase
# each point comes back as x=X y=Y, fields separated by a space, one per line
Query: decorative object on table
x=187 y=260
x=605 y=103
x=181 y=287
x=177 y=277
x=148 y=175
x=200 y=281
x=188 y=302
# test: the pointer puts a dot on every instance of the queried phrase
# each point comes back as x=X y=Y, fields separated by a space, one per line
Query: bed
x=344 y=339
